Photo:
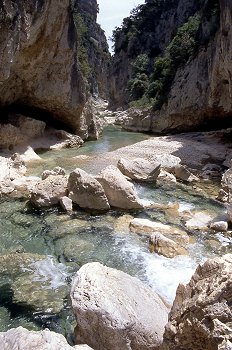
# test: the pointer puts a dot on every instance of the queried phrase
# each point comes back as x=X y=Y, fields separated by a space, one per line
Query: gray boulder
x=86 y=191
x=22 y=339
x=139 y=169
x=48 y=192
x=116 y=311
x=119 y=191
x=201 y=314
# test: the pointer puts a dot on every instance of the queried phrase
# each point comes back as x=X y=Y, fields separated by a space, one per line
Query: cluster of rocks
x=20 y=131
x=118 y=312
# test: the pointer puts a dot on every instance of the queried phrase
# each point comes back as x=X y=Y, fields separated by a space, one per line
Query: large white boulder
x=120 y=192
x=201 y=314
x=139 y=169
x=86 y=191
x=115 y=311
x=22 y=339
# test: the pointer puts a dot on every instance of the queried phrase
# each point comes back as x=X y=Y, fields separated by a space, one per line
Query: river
x=41 y=249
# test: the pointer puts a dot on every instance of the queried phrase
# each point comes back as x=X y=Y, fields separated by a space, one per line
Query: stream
x=40 y=250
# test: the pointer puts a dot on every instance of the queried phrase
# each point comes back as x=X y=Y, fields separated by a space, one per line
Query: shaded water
x=40 y=250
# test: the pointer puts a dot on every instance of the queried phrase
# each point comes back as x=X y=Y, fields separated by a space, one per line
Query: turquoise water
x=40 y=250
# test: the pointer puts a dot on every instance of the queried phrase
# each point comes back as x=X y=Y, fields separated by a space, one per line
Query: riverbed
x=42 y=249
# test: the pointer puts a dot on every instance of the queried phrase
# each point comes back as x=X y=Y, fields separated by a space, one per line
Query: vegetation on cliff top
x=154 y=64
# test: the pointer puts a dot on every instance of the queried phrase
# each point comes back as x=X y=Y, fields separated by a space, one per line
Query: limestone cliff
x=41 y=73
x=198 y=90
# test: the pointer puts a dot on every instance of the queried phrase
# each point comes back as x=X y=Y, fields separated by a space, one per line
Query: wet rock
x=22 y=339
x=139 y=169
x=219 y=226
x=199 y=221
x=119 y=191
x=76 y=249
x=35 y=280
x=114 y=310
x=162 y=245
x=63 y=225
x=66 y=204
x=201 y=314
x=147 y=227
x=86 y=191
x=56 y=171
x=48 y=192
x=121 y=224
x=36 y=292
x=182 y=173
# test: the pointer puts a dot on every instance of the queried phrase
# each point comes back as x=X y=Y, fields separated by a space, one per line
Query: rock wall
x=40 y=71
x=200 y=94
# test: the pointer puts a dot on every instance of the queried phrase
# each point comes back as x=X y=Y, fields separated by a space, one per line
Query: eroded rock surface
x=201 y=314
x=41 y=70
x=119 y=191
x=86 y=191
x=116 y=311
x=139 y=169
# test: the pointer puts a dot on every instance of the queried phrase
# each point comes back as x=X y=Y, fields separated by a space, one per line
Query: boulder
x=86 y=191
x=48 y=192
x=182 y=173
x=219 y=226
x=116 y=311
x=139 y=169
x=147 y=227
x=162 y=245
x=66 y=204
x=199 y=221
x=201 y=314
x=119 y=191
x=22 y=339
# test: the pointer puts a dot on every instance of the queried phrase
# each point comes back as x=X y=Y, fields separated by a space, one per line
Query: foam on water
x=54 y=274
x=162 y=274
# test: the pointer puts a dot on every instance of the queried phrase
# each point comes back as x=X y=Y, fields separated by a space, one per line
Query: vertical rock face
x=40 y=70
x=95 y=46
x=200 y=89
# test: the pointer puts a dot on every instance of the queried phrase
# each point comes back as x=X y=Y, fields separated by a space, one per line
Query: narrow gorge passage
x=116 y=180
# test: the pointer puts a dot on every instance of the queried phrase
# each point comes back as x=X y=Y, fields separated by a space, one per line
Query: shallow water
x=46 y=247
